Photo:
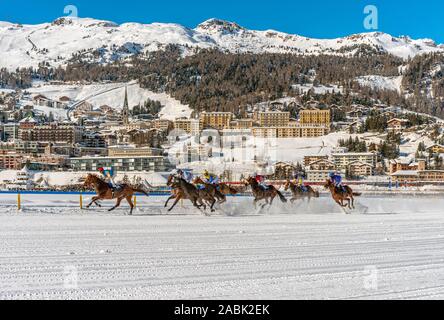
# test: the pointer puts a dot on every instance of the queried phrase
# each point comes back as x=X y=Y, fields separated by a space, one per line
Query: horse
x=211 y=189
x=340 y=196
x=264 y=194
x=299 y=193
x=184 y=190
x=104 y=192
x=230 y=190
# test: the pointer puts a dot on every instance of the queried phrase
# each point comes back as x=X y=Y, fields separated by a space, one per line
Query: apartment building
x=359 y=169
x=53 y=132
x=216 y=120
x=272 y=118
x=297 y=131
x=418 y=176
x=190 y=126
x=133 y=151
x=343 y=160
x=121 y=164
x=315 y=117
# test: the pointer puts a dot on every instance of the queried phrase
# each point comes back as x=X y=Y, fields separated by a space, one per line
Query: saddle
x=341 y=189
x=115 y=189
x=303 y=189
x=264 y=188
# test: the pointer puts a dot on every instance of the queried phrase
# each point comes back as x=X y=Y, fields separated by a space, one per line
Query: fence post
x=81 y=201
x=19 y=201
x=135 y=201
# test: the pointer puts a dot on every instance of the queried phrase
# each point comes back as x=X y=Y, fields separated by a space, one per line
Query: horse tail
x=357 y=194
x=141 y=191
x=281 y=196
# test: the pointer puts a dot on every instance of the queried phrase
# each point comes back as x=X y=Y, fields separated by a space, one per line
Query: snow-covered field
x=51 y=249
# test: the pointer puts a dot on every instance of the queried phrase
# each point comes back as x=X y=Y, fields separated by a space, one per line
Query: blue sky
x=319 y=18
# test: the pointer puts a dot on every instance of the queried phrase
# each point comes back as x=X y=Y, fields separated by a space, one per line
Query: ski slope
x=52 y=250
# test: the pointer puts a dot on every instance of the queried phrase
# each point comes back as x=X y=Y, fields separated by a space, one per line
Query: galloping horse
x=104 y=192
x=211 y=189
x=341 y=196
x=230 y=190
x=184 y=190
x=264 y=194
x=299 y=193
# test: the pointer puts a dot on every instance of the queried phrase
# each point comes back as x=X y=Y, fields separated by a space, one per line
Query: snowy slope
x=113 y=94
x=104 y=41
x=381 y=83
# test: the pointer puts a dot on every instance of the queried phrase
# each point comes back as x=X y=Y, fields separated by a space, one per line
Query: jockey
x=299 y=179
x=108 y=174
x=187 y=175
x=260 y=179
x=210 y=178
x=337 y=180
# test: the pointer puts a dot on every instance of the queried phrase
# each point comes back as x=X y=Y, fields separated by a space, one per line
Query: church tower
x=125 y=111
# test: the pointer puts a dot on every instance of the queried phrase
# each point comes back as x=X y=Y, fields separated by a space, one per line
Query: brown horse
x=298 y=193
x=186 y=191
x=340 y=196
x=211 y=189
x=104 y=192
x=226 y=189
x=264 y=194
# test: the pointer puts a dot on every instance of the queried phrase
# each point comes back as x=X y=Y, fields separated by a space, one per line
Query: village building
x=216 y=120
x=396 y=125
x=343 y=159
x=406 y=164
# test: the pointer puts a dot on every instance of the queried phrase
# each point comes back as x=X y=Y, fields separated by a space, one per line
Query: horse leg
x=353 y=200
x=213 y=202
x=174 y=204
x=97 y=203
x=169 y=199
x=119 y=201
x=92 y=202
x=129 y=199
x=271 y=199
x=265 y=204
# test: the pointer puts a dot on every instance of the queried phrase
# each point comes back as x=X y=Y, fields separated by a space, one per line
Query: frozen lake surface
x=389 y=248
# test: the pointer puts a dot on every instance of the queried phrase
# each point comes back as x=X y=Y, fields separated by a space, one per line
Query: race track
x=392 y=249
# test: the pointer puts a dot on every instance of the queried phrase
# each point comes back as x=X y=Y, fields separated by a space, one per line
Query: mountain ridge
x=101 y=41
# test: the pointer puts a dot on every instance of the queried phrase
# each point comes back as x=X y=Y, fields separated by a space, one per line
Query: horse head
x=328 y=184
x=89 y=180
x=170 y=180
x=198 y=180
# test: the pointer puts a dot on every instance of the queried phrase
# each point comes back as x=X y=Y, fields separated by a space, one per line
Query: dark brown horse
x=211 y=189
x=339 y=196
x=181 y=189
x=104 y=192
x=261 y=193
x=299 y=193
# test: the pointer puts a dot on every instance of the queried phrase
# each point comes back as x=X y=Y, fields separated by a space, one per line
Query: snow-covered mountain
x=103 y=41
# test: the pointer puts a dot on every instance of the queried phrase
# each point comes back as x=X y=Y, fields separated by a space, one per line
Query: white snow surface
x=381 y=83
x=55 y=43
x=53 y=250
x=112 y=94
